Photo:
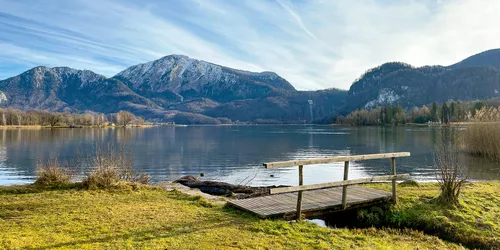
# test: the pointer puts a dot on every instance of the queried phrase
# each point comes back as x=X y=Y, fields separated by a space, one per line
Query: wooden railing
x=345 y=182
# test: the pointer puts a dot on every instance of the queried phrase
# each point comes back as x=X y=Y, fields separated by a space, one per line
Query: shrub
x=110 y=165
x=143 y=179
x=451 y=172
x=53 y=173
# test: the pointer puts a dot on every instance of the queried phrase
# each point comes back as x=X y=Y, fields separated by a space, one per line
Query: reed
x=482 y=137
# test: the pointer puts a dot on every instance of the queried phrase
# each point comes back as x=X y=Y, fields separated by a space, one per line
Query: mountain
x=178 y=88
x=201 y=90
x=66 y=89
x=475 y=78
x=173 y=88
x=176 y=78
x=489 y=58
x=282 y=109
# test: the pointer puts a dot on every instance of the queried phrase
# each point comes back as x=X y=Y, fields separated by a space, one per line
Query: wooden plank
x=344 y=188
x=280 y=164
x=314 y=202
x=338 y=183
x=299 y=196
x=394 y=198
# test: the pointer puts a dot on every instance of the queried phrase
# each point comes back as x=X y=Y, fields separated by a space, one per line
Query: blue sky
x=314 y=44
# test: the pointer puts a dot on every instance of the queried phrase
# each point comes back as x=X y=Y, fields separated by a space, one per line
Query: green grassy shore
x=148 y=217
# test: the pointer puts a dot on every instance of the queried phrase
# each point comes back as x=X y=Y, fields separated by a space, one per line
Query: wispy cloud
x=297 y=19
x=313 y=44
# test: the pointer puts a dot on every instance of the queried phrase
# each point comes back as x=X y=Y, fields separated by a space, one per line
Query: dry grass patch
x=54 y=173
x=482 y=137
x=110 y=166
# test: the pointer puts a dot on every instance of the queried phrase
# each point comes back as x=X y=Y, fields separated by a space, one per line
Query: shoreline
x=451 y=124
x=177 y=184
x=69 y=127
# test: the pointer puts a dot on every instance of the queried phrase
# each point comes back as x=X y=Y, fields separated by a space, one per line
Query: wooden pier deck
x=314 y=202
x=316 y=199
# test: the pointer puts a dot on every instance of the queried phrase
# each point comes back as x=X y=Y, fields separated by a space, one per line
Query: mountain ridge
x=66 y=89
x=182 y=89
x=177 y=77
x=397 y=83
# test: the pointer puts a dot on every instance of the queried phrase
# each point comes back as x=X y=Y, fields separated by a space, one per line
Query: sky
x=314 y=44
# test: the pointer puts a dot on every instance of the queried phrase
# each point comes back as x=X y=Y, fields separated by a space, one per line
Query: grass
x=474 y=223
x=146 y=217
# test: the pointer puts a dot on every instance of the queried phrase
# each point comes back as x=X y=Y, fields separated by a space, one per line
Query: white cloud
x=313 y=44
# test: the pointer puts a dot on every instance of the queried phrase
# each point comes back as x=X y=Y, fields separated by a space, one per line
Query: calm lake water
x=234 y=153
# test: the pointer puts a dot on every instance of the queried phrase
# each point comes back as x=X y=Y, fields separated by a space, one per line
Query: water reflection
x=234 y=153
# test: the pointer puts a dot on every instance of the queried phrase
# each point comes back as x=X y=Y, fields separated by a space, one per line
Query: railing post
x=344 y=188
x=299 y=196
x=394 y=198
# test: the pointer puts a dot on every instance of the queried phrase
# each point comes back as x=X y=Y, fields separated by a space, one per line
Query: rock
x=215 y=191
x=223 y=188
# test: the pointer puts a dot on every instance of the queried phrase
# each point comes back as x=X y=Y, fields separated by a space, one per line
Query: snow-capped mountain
x=177 y=78
x=63 y=88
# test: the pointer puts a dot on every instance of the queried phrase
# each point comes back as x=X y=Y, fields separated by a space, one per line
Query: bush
x=53 y=173
x=142 y=179
x=451 y=172
x=110 y=165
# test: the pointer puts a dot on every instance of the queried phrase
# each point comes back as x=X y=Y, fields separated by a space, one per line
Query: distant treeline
x=14 y=117
x=396 y=115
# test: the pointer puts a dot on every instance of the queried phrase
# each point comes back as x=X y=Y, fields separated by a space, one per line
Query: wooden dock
x=316 y=199
x=314 y=202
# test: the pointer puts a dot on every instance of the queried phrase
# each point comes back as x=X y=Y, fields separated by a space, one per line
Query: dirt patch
x=170 y=186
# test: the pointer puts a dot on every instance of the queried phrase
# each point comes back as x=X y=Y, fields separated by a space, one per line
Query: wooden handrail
x=345 y=182
x=293 y=163
x=338 y=183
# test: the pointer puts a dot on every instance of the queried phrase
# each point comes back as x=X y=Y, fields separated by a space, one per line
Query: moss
x=409 y=183
x=148 y=217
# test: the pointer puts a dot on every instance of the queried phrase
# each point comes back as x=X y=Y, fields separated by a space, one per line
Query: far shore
x=65 y=126
x=452 y=124
x=240 y=124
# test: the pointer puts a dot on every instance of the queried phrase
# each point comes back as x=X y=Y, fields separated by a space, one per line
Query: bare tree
x=70 y=119
x=101 y=120
x=4 y=119
x=140 y=121
x=54 y=119
x=451 y=172
x=125 y=117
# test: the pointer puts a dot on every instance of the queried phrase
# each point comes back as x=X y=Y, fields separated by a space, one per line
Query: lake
x=235 y=153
